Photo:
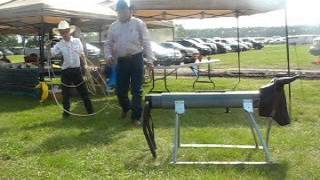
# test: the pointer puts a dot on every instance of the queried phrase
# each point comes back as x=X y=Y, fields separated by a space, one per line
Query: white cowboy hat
x=63 y=25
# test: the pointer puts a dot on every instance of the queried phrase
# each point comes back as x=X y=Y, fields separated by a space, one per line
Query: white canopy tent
x=38 y=17
x=177 y=9
x=27 y=16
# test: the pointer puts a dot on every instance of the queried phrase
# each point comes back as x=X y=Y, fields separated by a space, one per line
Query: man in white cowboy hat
x=72 y=50
x=126 y=43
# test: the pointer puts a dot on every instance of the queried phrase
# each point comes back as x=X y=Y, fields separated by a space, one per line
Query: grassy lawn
x=270 y=57
x=36 y=143
x=16 y=58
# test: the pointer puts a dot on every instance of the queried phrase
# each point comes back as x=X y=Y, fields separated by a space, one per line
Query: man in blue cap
x=126 y=43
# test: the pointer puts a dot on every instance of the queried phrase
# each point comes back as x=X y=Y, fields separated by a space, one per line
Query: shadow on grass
x=276 y=171
x=3 y=130
x=78 y=132
x=11 y=103
x=64 y=142
x=89 y=132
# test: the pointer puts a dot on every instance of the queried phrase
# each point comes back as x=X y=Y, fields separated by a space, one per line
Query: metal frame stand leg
x=176 y=139
x=208 y=75
x=268 y=132
x=260 y=136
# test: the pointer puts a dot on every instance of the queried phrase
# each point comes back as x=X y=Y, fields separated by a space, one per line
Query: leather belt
x=128 y=57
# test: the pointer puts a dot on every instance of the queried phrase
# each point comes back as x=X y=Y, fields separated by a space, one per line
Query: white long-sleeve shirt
x=78 y=34
x=129 y=38
x=71 y=52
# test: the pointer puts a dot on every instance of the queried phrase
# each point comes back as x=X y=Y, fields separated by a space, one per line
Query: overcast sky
x=300 y=12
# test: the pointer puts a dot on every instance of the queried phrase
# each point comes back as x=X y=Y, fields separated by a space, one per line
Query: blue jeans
x=130 y=75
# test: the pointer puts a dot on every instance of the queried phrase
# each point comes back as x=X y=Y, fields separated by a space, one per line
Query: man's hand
x=110 y=61
x=150 y=65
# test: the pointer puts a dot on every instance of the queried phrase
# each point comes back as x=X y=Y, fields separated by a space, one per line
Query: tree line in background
x=8 y=41
x=18 y=41
x=245 y=32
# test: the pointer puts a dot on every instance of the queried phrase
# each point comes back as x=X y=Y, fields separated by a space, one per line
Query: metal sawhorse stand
x=234 y=99
x=248 y=108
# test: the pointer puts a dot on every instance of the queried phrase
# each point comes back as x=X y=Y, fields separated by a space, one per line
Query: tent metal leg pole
x=238 y=38
x=288 y=55
x=41 y=49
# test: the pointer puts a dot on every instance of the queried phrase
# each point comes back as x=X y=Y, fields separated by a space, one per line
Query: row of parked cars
x=179 y=51
x=93 y=51
x=188 y=50
x=6 y=51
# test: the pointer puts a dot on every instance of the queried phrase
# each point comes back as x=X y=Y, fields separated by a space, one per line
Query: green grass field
x=16 y=58
x=270 y=57
x=36 y=143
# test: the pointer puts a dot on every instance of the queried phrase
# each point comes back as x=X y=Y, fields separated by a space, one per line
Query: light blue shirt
x=128 y=38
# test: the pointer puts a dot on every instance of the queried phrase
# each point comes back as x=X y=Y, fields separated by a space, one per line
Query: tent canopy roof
x=177 y=9
x=26 y=16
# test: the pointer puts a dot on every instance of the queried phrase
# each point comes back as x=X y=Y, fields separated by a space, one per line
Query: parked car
x=255 y=44
x=248 y=44
x=213 y=46
x=18 y=50
x=6 y=51
x=234 y=45
x=189 y=54
x=204 y=50
x=221 y=47
x=315 y=48
x=166 y=56
x=277 y=40
x=93 y=51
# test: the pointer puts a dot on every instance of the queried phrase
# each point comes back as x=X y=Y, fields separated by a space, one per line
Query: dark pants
x=73 y=76
x=130 y=74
